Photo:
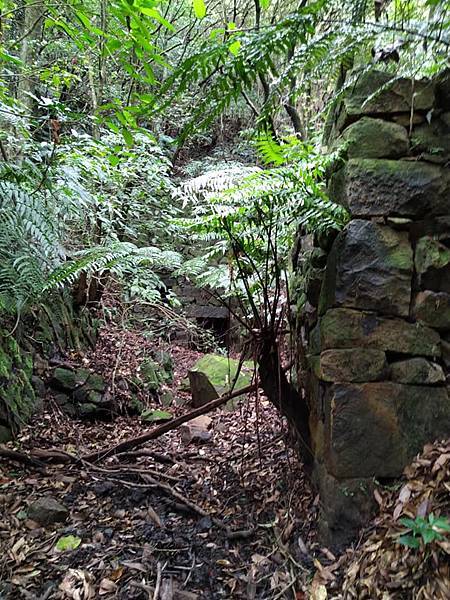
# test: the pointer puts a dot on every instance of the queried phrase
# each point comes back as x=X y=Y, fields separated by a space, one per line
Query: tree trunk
x=285 y=397
x=31 y=34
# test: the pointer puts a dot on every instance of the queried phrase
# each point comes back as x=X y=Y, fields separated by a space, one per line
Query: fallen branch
x=20 y=457
x=166 y=427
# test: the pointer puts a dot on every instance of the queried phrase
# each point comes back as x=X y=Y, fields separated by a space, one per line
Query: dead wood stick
x=16 y=456
x=166 y=427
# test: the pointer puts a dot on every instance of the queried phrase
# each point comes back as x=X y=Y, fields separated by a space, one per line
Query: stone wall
x=375 y=316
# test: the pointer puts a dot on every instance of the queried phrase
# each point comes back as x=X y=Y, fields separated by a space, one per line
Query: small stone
x=355 y=364
x=433 y=309
x=417 y=371
x=47 y=511
x=196 y=430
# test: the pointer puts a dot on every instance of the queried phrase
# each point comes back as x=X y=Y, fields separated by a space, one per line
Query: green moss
x=221 y=371
x=17 y=398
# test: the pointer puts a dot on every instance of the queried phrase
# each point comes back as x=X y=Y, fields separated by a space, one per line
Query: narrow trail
x=232 y=517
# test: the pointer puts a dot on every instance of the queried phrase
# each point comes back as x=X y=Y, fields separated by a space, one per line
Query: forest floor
x=232 y=517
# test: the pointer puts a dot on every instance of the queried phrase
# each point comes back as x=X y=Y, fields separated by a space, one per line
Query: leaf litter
x=224 y=513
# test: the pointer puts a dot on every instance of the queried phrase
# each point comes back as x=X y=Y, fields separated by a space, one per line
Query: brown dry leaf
x=107 y=587
x=154 y=516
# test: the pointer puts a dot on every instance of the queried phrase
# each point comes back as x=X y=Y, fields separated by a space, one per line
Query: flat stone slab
x=378 y=187
x=354 y=364
x=375 y=429
x=419 y=371
x=370 y=267
x=345 y=328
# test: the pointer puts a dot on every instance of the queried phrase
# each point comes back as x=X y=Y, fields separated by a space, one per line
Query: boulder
x=418 y=371
x=379 y=187
x=374 y=138
x=433 y=309
x=370 y=267
x=374 y=429
x=379 y=93
x=432 y=262
x=354 y=364
x=212 y=375
x=47 y=511
x=345 y=328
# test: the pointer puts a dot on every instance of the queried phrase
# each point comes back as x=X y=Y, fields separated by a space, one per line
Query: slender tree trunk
x=31 y=34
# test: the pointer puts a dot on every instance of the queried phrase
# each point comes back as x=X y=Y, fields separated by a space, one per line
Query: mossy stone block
x=212 y=376
x=353 y=364
x=380 y=187
x=370 y=267
x=345 y=328
x=374 y=138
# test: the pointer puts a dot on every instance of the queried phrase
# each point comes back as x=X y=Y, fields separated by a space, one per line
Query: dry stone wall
x=375 y=315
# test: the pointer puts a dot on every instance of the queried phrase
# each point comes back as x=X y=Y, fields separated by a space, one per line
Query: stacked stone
x=379 y=352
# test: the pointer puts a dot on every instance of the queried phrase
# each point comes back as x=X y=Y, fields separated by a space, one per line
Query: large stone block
x=353 y=364
x=370 y=267
x=346 y=505
x=379 y=93
x=379 y=187
x=345 y=328
x=374 y=138
x=374 y=429
x=433 y=309
x=418 y=370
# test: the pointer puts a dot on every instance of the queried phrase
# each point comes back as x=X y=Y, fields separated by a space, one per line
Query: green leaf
x=127 y=136
x=199 y=7
x=265 y=4
x=429 y=535
x=156 y=415
x=409 y=540
x=235 y=47
x=68 y=542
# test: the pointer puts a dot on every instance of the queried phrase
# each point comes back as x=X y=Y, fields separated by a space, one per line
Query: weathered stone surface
x=346 y=506
x=372 y=94
x=5 y=434
x=433 y=309
x=69 y=379
x=374 y=429
x=196 y=430
x=370 y=267
x=443 y=90
x=379 y=187
x=432 y=262
x=355 y=364
x=374 y=138
x=432 y=139
x=344 y=328
x=418 y=371
x=212 y=376
x=47 y=511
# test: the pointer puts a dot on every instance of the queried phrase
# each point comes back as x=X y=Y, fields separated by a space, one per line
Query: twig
x=166 y=427
x=158 y=581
